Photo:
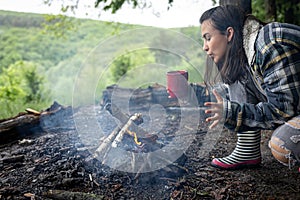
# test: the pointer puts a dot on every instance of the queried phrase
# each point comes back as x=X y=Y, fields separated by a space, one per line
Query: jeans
x=285 y=142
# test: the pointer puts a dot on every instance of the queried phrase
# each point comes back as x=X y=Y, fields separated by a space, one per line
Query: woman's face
x=215 y=44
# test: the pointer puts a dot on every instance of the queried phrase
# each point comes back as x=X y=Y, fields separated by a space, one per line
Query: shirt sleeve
x=277 y=61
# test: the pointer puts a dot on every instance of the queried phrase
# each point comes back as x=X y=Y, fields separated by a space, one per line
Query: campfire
x=127 y=145
x=134 y=147
x=130 y=137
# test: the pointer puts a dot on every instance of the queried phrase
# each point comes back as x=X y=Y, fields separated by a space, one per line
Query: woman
x=260 y=65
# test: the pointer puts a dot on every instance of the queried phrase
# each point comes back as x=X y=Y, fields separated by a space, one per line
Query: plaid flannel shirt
x=276 y=71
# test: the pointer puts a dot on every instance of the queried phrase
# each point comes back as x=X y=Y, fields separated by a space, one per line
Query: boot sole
x=238 y=166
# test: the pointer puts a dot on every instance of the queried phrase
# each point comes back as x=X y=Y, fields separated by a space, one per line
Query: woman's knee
x=285 y=142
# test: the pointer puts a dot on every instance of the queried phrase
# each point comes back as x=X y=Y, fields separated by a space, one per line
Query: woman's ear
x=230 y=33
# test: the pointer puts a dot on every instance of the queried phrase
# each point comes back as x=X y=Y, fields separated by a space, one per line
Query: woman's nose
x=205 y=47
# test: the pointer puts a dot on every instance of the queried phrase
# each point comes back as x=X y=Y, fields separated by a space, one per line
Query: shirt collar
x=250 y=32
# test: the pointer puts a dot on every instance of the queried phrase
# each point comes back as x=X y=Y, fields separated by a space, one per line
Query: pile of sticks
x=114 y=139
x=129 y=125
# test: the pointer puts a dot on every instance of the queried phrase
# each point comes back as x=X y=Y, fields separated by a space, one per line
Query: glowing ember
x=134 y=136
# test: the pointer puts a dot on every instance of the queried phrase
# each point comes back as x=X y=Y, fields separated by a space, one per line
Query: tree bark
x=290 y=16
x=270 y=8
x=244 y=4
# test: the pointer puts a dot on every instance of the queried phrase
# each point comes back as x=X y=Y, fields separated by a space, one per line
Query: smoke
x=94 y=76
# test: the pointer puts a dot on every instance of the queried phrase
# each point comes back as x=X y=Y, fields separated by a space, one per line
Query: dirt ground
x=55 y=164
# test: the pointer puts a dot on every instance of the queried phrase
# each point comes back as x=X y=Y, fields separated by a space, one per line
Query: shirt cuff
x=226 y=109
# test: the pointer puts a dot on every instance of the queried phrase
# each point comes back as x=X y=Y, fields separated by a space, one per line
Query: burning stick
x=133 y=161
x=115 y=137
x=133 y=134
x=123 y=118
x=124 y=129
x=105 y=145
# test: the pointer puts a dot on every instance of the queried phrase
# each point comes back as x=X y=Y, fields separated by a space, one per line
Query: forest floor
x=55 y=164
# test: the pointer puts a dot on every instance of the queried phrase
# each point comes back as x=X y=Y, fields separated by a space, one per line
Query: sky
x=183 y=13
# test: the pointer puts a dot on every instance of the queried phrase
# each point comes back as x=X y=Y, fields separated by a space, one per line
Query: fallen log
x=18 y=127
x=32 y=122
x=156 y=94
x=19 y=120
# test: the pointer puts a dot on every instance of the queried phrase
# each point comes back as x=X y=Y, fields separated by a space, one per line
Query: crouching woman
x=260 y=65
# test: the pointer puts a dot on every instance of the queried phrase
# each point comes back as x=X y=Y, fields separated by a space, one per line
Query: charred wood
x=62 y=195
x=123 y=130
x=105 y=146
x=32 y=122
x=14 y=159
x=123 y=118
x=18 y=127
x=153 y=94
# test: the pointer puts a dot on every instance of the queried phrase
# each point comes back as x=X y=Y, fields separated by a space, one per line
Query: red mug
x=177 y=84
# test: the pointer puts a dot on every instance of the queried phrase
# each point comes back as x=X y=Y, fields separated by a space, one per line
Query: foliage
x=258 y=10
x=130 y=61
x=20 y=85
x=284 y=11
x=12 y=83
x=58 y=25
x=30 y=44
x=120 y=67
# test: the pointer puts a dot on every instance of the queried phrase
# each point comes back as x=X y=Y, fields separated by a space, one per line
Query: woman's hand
x=216 y=108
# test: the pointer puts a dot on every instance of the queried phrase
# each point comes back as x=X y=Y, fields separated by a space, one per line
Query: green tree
x=12 y=84
x=129 y=61
x=120 y=67
x=59 y=25
x=21 y=86
x=34 y=84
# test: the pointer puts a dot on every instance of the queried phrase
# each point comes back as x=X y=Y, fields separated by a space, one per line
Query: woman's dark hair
x=235 y=61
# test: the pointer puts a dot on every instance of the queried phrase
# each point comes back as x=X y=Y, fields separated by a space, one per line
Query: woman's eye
x=207 y=38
